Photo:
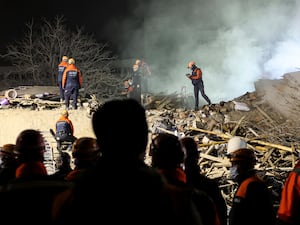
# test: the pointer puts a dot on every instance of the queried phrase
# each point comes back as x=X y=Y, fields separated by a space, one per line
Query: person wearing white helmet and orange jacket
x=252 y=202
x=197 y=81
x=71 y=83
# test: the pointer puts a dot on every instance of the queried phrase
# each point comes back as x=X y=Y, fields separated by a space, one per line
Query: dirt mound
x=282 y=95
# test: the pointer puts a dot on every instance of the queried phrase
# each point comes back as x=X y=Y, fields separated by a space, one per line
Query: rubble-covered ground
x=267 y=118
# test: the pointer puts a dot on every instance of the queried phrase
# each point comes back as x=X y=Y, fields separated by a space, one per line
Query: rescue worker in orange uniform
x=197 y=81
x=64 y=129
x=61 y=69
x=71 y=83
x=289 y=208
x=252 y=202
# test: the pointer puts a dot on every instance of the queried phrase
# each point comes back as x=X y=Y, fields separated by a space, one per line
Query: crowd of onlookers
x=110 y=182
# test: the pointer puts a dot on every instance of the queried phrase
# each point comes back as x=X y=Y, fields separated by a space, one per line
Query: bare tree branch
x=36 y=57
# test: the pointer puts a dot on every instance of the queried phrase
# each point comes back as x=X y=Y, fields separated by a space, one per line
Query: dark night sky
x=102 y=18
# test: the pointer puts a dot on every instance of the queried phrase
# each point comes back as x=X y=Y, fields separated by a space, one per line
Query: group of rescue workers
x=138 y=83
x=69 y=80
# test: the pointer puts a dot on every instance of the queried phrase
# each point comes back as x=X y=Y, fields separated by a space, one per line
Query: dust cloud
x=235 y=42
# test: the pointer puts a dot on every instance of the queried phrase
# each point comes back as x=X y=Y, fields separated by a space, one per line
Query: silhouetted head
x=30 y=145
x=63 y=160
x=192 y=152
x=121 y=128
x=167 y=151
x=85 y=149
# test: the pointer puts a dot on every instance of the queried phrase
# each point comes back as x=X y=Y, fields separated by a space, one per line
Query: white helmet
x=71 y=61
x=135 y=67
x=137 y=62
x=65 y=58
x=190 y=64
x=235 y=143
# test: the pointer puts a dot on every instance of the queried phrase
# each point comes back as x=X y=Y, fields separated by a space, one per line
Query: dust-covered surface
x=266 y=118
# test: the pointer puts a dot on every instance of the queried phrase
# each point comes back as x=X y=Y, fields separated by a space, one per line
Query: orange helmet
x=190 y=64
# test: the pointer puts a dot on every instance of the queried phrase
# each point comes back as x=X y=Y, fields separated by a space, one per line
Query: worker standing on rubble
x=197 y=81
x=252 y=202
x=135 y=82
x=61 y=69
x=146 y=73
x=71 y=83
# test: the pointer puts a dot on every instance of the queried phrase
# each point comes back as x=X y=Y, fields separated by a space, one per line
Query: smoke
x=234 y=42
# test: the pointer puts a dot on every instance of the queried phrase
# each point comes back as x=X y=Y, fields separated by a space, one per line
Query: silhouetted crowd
x=110 y=182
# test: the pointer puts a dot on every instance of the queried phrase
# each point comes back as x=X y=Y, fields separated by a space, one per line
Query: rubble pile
x=267 y=119
x=274 y=138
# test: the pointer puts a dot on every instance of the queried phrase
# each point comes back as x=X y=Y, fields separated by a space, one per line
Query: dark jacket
x=210 y=187
x=72 y=78
x=204 y=205
x=252 y=202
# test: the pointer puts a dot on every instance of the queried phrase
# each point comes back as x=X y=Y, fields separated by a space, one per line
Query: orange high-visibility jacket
x=289 y=208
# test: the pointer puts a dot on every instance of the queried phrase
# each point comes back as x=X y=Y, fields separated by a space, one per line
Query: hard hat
x=65 y=58
x=190 y=64
x=243 y=155
x=135 y=67
x=29 y=142
x=137 y=62
x=85 y=148
x=235 y=143
x=71 y=61
x=65 y=113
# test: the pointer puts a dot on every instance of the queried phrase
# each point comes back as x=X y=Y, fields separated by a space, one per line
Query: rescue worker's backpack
x=63 y=129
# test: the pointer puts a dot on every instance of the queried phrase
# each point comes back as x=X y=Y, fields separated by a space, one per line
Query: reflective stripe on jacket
x=72 y=78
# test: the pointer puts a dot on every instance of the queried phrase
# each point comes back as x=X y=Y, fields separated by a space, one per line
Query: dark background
x=103 y=19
